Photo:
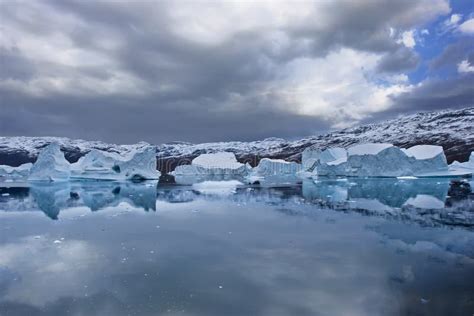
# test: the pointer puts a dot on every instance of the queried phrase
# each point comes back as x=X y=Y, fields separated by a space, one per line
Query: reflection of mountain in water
x=418 y=200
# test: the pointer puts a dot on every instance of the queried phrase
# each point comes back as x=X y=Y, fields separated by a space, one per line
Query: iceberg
x=385 y=160
x=217 y=164
x=138 y=164
x=270 y=167
x=313 y=158
x=467 y=166
x=15 y=173
x=310 y=158
x=427 y=159
x=50 y=165
x=369 y=160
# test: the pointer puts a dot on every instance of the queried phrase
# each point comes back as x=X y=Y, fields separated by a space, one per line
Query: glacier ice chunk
x=270 y=167
x=139 y=164
x=216 y=164
x=313 y=158
x=467 y=166
x=386 y=160
x=427 y=159
x=310 y=158
x=369 y=160
x=15 y=173
x=50 y=165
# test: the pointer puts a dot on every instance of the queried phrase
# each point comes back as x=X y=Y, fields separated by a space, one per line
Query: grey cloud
x=192 y=86
x=454 y=54
x=129 y=120
x=434 y=95
x=15 y=66
x=401 y=60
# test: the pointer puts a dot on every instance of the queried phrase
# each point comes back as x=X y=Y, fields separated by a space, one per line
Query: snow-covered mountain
x=452 y=129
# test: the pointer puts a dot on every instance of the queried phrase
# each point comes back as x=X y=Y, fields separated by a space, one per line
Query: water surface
x=341 y=247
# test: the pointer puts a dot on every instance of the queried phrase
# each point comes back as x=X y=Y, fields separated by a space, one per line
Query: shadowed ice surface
x=334 y=247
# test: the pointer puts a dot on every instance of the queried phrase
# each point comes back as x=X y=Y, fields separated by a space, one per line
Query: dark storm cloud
x=185 y=87
x=14 y=66
x=431 y=96
x=438 y=94
x=133 y=119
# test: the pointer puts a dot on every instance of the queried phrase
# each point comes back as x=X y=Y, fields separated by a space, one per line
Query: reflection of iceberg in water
x=415 y=200
x=98 y=195
x=192 y=179
x=52 y=198
x=388 y=191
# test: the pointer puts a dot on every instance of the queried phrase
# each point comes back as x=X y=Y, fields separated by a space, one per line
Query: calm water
x=365 y=247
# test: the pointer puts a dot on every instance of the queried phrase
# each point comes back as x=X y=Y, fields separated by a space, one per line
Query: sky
x=198 y=71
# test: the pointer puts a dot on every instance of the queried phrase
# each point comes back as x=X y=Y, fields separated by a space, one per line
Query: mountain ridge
x=451 y=129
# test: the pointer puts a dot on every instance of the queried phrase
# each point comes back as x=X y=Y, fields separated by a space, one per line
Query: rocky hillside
x=452 y=129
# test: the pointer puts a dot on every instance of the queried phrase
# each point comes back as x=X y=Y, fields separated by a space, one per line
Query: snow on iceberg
x=217 y=164
x=139 y=164
x=15 y=173
x=50 y=165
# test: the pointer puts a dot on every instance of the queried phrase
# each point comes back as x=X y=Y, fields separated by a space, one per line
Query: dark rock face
x=451 y=129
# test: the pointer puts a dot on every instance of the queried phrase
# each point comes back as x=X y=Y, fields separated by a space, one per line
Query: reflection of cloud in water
x=271 y=264
x=48 y=270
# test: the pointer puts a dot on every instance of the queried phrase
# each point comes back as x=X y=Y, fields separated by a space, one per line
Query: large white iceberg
x=15 y=173
x=217 y=164
x=139 y=164
x=427 y=159
x=386 y=160
x=50 y=165
x=369 y=160
x=136 y=165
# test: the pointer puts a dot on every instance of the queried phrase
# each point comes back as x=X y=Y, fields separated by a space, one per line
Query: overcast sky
x=160 y=71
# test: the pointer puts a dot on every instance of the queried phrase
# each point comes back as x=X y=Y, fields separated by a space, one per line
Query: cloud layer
x=197 y=71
